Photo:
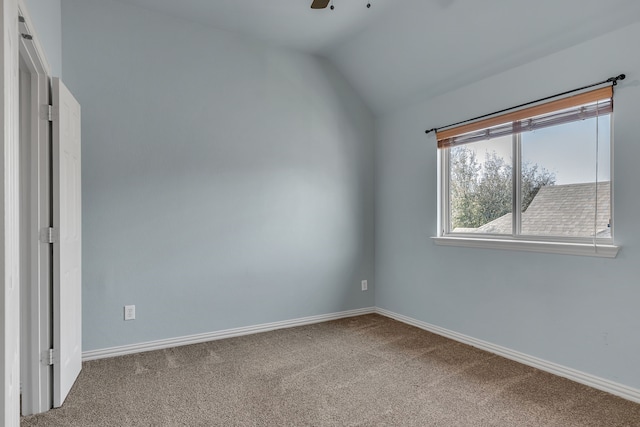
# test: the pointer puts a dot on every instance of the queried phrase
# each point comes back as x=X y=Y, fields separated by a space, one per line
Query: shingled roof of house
x=561 y=210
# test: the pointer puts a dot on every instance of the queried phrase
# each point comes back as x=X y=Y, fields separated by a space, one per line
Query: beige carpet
x=360 y=371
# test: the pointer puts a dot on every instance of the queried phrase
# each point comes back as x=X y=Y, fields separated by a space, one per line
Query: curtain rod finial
x=614 y=80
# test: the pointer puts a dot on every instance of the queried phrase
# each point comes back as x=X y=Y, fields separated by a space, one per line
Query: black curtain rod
x=612 y=80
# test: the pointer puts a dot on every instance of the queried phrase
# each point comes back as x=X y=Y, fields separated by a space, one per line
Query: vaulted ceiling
x=400 y=51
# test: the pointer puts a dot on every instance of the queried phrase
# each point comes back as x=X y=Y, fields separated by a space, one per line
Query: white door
x=67 y=247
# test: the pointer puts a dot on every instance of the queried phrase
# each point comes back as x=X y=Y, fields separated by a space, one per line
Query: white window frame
x=598 y=247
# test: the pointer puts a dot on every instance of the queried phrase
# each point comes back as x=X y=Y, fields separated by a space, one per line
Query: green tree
x=482 y=191
x=464 y=172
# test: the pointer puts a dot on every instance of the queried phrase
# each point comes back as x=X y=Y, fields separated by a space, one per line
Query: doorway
x=34 y=217
x=50 y=232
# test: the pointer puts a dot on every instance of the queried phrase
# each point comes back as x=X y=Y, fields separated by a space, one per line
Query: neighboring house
x=560 y=210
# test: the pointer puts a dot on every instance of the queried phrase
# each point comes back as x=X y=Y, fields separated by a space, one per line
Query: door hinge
x=50 y=113
x=49 y=357
x=49 y=235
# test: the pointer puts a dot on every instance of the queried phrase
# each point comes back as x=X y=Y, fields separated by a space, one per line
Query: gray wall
x=576 y=311
x=46 y=16
x=225 y=183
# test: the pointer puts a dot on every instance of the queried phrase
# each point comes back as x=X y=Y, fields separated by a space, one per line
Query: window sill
x=583 y=249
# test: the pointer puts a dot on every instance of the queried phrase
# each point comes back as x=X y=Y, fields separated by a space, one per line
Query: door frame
x=9 y=220
x=36 y=296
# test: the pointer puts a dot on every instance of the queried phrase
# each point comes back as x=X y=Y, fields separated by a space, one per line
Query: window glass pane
x=559 y=179
x=480 y=187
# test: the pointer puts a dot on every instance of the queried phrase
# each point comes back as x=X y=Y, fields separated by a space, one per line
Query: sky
x=568 y=150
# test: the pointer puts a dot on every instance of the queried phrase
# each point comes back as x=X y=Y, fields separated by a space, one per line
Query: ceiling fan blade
x=319 y=4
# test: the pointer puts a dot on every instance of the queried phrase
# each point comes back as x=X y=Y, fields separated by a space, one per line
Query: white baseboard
x=612 y=387
x=218 y=335
x=608 y=386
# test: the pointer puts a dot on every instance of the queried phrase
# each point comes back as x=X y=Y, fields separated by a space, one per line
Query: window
x=535 y=179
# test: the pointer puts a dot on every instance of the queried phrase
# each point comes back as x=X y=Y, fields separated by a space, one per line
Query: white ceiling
x=399 y=51
x=290 y=23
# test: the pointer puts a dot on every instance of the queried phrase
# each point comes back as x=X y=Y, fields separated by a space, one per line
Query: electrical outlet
x=364 y=285
x=129 y=312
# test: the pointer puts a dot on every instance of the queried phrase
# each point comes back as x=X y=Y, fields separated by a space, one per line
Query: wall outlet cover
x=129 y=312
